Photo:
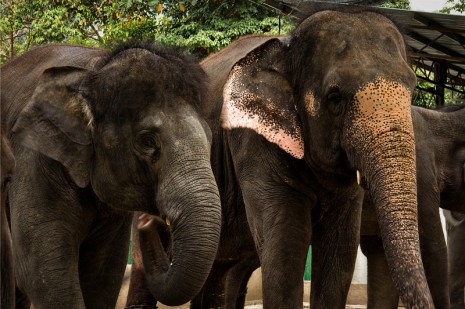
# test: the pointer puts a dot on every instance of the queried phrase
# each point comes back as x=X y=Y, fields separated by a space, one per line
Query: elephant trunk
x=190 y=201
x=381 y=144
x=392 y=185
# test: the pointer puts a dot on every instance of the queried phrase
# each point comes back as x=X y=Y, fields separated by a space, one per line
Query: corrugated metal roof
x=433 y=35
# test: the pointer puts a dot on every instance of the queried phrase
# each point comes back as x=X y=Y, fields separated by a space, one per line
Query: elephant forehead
x=383 y=99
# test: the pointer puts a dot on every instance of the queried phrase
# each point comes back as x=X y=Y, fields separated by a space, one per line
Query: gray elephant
x=455 y=223
x=440 y=155
x=7 y=299
x=295 y=119
x=98 y=134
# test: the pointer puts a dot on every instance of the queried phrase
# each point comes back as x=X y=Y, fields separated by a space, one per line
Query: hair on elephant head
x=125 y=124
x=336 y=92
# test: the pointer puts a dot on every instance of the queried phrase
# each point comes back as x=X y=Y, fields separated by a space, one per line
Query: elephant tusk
x=167 y=221
x=359 y=177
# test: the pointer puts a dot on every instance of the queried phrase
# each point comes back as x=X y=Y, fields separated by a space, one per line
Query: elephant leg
x=48 y=223
x=22 y=301
x=212 y=294
x=236 y=282
x=381 y=290
x=103 y=259
x=281 y=228
x=46 y=258
x=456 y=253
x=434 y=251
x=7 y=270
x=334 y=250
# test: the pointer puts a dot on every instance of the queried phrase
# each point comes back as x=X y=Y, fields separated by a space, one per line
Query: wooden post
x=440 y=78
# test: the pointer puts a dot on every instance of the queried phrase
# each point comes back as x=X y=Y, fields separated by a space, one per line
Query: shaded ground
x=356 y=299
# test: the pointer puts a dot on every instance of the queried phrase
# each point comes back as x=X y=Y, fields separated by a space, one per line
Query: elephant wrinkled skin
x=294 y=118
x=96 y=135
x=7 y=271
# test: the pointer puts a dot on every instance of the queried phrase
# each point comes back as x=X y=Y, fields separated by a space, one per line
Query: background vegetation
x=201 y=26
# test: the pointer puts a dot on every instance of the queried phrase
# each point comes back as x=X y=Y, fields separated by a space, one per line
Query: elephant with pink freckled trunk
x=295 y=119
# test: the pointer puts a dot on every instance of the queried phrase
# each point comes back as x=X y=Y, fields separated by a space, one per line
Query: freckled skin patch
x=311 y=104
x=385 y=101
x=244 y=107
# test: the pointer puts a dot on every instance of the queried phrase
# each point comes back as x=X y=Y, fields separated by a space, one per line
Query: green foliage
x=454 y=5
x=423 y=96
x=207 y=26
x=397 y=4
x=202 y=26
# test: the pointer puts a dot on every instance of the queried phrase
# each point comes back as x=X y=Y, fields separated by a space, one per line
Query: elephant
x=296 y=120
x=7 y=299
x=98 y=134
x=455 y=223
x=440 y=157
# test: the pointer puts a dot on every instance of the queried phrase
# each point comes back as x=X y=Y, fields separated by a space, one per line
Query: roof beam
x=431 y=43
x=419 y=54
x=437 y=26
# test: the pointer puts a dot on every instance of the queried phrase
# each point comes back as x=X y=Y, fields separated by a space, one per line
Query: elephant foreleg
x=236 y=282
x=334 y=250
x=7 y=273
x=433 y=250
x=212 y=294
x=381 y=291
x=281 y=229
x=456 y=253
x=103 y=260
x=22 y=301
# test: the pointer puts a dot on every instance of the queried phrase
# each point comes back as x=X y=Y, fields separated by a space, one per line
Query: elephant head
x=336 y=92
x=130 y=129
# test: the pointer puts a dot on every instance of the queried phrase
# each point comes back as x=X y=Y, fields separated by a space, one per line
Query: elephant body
x=7 y=299
x=98 y=134
x=440 y=152
x=293 y=118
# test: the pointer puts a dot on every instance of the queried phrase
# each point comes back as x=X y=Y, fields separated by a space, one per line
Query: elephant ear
x=257 y=96
x=57 y=122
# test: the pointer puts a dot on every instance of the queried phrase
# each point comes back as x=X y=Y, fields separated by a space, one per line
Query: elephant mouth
x=146 y=220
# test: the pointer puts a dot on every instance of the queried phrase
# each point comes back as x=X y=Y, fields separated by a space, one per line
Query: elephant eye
x=148 y=145
x=334 y=96
x=335 y=100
